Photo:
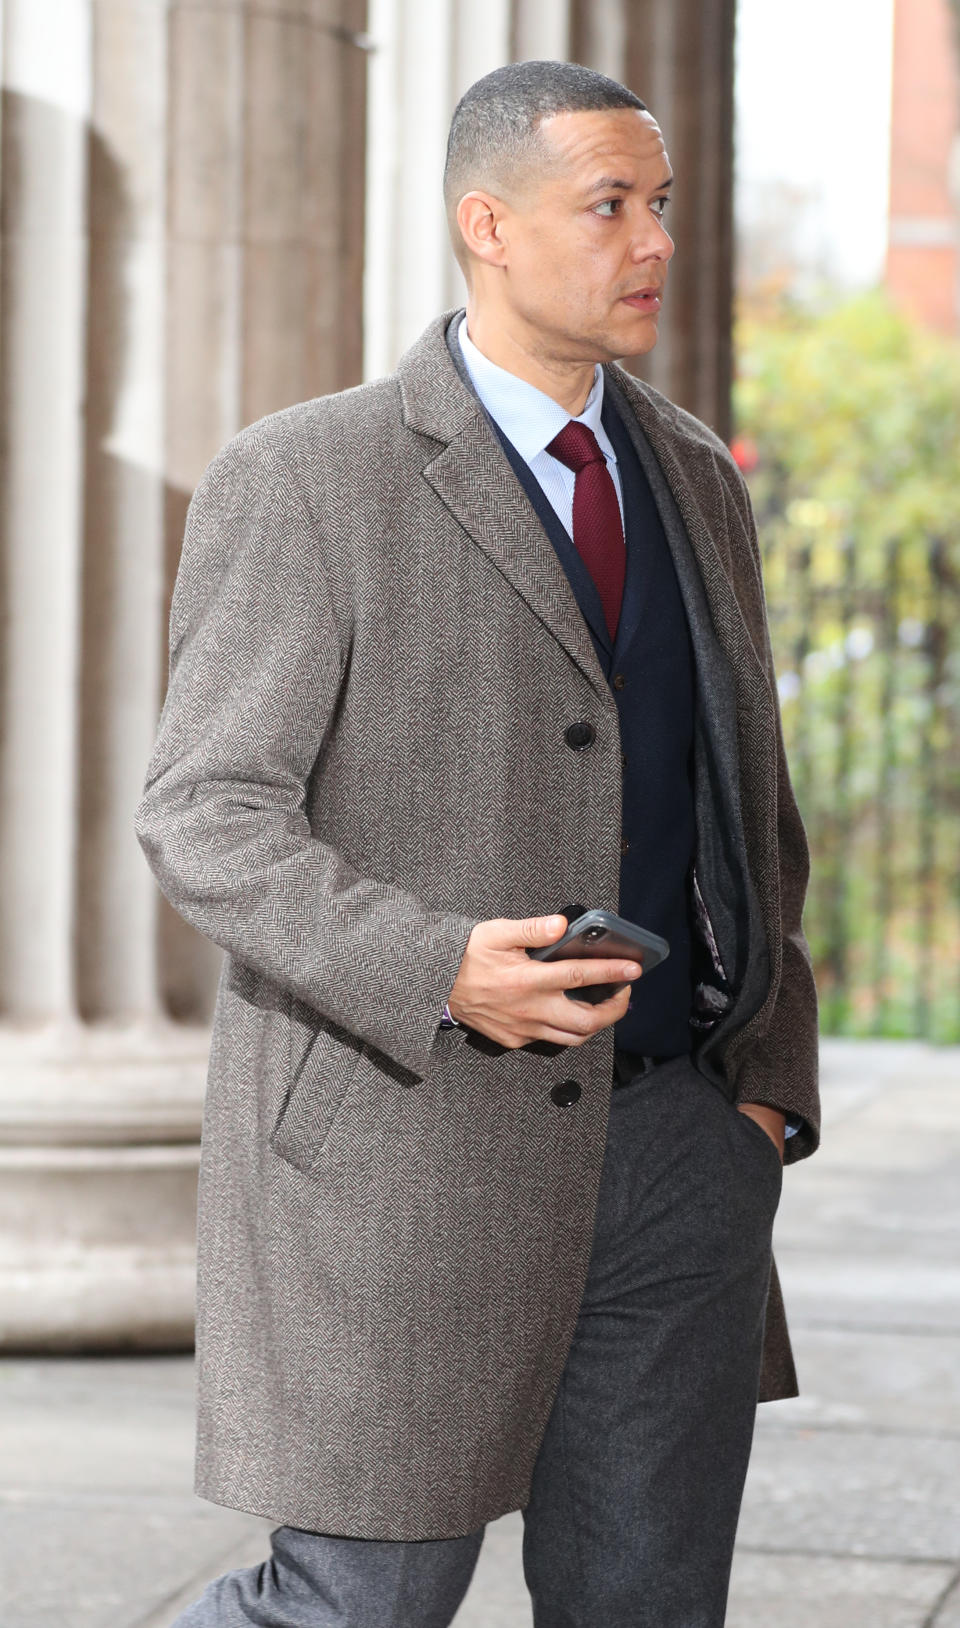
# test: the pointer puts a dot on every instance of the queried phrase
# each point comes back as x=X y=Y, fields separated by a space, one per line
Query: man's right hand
x=513 y=999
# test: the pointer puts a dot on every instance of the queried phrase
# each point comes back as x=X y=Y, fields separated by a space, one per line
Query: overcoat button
x=580 y=735
x=624 y=845
x=567 y=1092
x=618 y=681
x=623 y=759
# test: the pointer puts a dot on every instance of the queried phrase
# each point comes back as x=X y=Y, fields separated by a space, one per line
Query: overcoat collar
x=471 y=474
x=688 y=462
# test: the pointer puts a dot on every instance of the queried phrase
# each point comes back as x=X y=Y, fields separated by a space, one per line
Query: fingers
x=562 y=1022
x=583 y=1021
x=502 y=933
x=559 y=1037
x=574 y=974
x=514 y=999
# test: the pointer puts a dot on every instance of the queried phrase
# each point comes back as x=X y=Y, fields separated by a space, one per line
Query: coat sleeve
x=255 y=670
x=781 y=1066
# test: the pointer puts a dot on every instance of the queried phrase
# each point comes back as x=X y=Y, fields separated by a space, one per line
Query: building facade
x=923 y=253
x=210 y=209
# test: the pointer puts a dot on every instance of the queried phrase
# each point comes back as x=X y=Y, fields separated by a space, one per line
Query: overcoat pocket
x=322 y=1064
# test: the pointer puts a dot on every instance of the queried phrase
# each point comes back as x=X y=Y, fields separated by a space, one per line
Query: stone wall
x=185 y=189
x=181 y=188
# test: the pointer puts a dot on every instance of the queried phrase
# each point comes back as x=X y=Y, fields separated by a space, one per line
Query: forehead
x=605 y=142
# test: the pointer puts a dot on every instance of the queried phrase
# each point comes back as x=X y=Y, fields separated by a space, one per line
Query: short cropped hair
x=494 y=132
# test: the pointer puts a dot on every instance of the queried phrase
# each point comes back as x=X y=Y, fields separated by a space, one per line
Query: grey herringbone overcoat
x=374 y=655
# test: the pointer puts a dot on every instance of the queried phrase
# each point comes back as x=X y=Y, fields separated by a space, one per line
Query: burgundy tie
x=597 y=527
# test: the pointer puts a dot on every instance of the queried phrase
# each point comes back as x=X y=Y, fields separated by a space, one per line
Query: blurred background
x=210 y=209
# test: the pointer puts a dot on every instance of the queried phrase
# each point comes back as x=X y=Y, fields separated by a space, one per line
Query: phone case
x=602 y=934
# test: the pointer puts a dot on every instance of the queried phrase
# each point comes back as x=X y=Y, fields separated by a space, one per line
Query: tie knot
x=576 y=446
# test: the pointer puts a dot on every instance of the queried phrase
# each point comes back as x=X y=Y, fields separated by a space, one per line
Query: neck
x=523 y=353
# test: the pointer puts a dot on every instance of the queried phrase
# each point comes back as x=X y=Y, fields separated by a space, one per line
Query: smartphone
x=601 y=933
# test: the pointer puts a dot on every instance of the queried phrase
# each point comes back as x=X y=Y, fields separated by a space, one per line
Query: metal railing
x=867 y=648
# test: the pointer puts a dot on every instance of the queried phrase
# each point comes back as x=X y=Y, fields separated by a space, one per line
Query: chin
x=644 y=336
x=635 y=340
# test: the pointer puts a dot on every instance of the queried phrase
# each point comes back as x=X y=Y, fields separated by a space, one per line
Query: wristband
x=448 y=1022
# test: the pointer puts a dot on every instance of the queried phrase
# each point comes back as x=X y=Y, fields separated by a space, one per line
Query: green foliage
x=851 y=420
x=858 y=411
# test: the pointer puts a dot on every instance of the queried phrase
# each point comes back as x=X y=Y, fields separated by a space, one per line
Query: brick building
x=923 y=249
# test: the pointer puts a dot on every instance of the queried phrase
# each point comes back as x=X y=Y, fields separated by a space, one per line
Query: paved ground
x=852 y=1512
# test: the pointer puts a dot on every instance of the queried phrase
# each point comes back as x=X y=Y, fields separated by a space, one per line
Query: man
x=449 y=651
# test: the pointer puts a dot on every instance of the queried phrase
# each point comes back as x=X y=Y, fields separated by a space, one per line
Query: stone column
x=679 y=59
x=180 y=253
x=424 y=55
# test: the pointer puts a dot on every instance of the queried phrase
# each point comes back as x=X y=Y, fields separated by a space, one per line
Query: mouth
x=644 y=299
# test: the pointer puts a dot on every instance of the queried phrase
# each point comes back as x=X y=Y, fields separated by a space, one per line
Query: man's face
x=587 y=254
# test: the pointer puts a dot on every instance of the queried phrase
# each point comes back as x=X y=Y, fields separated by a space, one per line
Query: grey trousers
x=637 y=1486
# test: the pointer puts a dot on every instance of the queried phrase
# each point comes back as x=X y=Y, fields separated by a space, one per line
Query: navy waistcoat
x=651 y=671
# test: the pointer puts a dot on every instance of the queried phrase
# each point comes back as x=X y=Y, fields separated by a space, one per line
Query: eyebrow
x=610 y=183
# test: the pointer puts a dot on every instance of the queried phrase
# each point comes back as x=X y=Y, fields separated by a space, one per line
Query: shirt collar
x=527 y=416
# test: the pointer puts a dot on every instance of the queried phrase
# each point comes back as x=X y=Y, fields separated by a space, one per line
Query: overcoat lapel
x=745 y=727
x=697 y=474
x=695 y=485
x=472 y=476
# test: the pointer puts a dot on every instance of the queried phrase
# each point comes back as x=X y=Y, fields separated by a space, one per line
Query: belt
x=632 y=1065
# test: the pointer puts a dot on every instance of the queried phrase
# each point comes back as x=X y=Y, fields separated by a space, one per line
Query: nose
x=653 y=244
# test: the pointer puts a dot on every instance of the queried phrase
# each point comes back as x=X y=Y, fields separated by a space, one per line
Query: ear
x=480 y=218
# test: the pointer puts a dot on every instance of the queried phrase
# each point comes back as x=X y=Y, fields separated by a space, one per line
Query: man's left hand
x=769 y=1119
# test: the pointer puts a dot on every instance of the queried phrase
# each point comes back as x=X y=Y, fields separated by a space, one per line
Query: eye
x=660 y=205
x=615 y=204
